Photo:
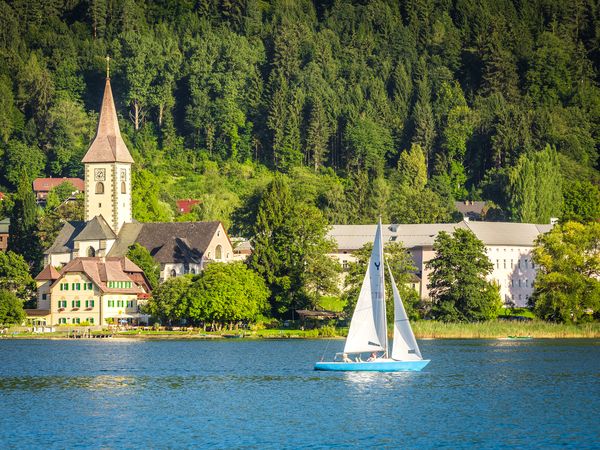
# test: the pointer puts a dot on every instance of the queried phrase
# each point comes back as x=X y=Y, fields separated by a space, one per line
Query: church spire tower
x=108 y=168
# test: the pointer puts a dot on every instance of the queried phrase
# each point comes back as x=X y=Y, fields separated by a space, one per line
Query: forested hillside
x=391 y=107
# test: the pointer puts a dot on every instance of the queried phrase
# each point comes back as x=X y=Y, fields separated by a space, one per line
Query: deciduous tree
x=458 y=286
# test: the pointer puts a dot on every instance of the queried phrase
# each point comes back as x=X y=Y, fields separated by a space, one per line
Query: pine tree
x=23 y=237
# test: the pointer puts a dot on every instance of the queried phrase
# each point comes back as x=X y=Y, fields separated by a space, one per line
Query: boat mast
x=383 y=319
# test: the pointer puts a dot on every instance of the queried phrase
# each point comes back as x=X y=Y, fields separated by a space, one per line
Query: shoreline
x=423 y=329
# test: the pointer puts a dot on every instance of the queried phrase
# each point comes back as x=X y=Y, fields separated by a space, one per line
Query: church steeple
x=108 y=169
x=108 y=145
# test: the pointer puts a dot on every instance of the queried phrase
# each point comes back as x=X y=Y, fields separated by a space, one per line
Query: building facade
x=508 y=246
x=91 y=291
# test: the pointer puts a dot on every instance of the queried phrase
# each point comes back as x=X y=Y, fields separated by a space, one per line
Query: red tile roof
x=102 y=271
x=184 y=206
x=49 y=273
x=46 y=184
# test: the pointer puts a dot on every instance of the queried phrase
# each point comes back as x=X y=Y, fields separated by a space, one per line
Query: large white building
x=508 y=245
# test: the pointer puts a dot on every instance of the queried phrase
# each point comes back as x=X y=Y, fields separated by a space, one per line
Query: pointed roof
x=108 y=145
x=96 y=229
x=49 y=273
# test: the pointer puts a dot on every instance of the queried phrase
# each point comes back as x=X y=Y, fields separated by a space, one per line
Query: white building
x=508 y=245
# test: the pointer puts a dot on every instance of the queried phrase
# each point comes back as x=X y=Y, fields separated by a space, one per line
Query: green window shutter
x=92 y=303
x=91 y=320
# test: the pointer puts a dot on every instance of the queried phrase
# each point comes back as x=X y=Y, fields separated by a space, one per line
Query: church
x=87 y=277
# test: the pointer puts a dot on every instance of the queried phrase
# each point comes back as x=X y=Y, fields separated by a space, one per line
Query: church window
x=218 y=252
x=193 y=271
x=173 y=273
x=99 y=187
x=123 y=188
x=91 y=251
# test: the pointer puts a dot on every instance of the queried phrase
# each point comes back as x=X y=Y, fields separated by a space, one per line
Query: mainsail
x=405 y=344
x=368 y=328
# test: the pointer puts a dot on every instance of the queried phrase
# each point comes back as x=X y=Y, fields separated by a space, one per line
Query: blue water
x=259 y=394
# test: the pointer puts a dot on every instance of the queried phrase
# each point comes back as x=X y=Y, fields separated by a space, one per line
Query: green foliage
x=582 y=201
x=535 y=188
x=338 y=87
x=15 y=276
x=567 y=287
x=21 y=159
x=11 y=309
x=458 y=286
x=169 y=302
x=57 y=212
x=227 y=293
x=220 y=294
x=290 y=250
x=144 y=260
x=23 y=230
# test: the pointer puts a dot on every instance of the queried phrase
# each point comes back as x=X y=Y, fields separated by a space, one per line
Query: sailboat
x=368 y=328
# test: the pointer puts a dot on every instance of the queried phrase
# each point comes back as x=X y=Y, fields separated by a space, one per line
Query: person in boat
x=373 y=356
x=345 y=358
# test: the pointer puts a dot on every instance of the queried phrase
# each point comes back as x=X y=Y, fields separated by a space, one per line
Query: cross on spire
x=107 y=66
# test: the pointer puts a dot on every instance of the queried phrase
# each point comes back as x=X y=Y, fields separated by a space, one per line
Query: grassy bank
x=424 y=329
x=500 y=329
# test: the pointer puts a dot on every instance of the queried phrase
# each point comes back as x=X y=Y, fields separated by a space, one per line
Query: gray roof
x=505 y=233
x=66 y=236
x=469 y=206
x=167 y=242
x=4 y=224
x=96 y=229
x=353 y=237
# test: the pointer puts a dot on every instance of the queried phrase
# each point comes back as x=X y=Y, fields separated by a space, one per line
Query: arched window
x=193 y=271
x=218 y=252
x=123 y=188
x=91 y=251
x=99 y=187
x=173 y=273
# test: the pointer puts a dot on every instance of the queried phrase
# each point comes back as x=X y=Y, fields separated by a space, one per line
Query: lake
x=264 y=394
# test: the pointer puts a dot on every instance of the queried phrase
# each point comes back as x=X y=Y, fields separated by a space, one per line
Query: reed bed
x=502 y=329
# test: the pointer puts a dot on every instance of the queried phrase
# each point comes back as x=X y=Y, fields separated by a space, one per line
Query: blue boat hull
x=373 y=366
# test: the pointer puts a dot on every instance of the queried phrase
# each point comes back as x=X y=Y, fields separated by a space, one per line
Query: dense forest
x=387 y=107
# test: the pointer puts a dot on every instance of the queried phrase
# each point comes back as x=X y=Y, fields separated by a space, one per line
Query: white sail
x=362 y=335
x=378 y=288
x=368 y=328
x=405 y=345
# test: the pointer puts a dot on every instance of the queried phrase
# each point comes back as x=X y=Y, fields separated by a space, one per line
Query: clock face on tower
x=99 y=174
x=123 y=174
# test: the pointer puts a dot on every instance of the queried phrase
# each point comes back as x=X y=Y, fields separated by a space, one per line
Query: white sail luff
x=378 y=287
x=405 y=345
